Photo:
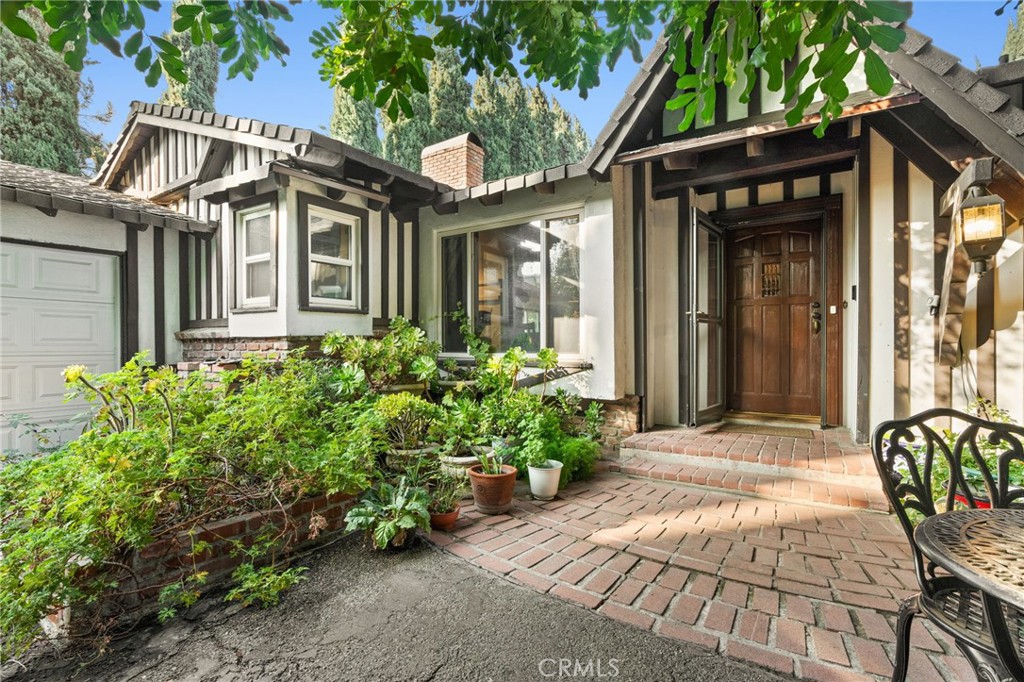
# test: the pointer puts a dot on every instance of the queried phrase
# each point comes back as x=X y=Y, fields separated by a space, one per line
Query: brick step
x=768 y=481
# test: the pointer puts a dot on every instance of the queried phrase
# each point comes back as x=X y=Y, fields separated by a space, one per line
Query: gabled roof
x=985 y=112
x=52 y=191
x=308 y=148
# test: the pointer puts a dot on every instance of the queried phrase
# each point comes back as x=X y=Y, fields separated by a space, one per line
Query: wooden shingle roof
x=52 y=191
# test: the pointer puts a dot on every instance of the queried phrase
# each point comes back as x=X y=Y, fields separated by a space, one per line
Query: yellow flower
x=73 y=373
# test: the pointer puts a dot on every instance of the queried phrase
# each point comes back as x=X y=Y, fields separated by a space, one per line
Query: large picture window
x=255 y=268
x=524 y=285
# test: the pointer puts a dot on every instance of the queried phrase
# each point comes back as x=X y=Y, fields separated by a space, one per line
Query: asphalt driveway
x=417 y=615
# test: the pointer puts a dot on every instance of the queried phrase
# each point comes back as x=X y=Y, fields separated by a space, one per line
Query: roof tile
x=986 y=98
x=936 y=60
x=915 y=41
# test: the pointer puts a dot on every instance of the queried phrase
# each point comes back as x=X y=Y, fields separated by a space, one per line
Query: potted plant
x=460 y=433
x=493 y=484
x=405 y=421
x=444 y=501
x=390 y=514
x=545 y=475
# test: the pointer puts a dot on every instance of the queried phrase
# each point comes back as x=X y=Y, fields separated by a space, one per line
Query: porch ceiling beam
x=904 y=138
x=939 y=135
x=781 y=156
x=767 y=125
x=681 y=161
x=805 y=172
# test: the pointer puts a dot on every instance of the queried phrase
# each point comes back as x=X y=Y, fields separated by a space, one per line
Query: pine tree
x=490 y=121
x=1014 y=45
x=405 y=138
x=202 y=65
x=523 y=148
x=41 y=105
x=355 y=122
x=449 y=96
x=544 y=125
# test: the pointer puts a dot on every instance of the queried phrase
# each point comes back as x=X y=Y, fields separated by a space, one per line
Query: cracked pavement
x=413 y=615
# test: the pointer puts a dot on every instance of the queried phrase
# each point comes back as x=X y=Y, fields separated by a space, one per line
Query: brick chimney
x=458 y=162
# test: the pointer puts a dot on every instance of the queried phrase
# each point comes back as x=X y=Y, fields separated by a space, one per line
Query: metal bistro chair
x=908 y=454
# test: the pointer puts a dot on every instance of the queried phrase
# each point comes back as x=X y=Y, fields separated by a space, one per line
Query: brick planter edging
x=167 y=561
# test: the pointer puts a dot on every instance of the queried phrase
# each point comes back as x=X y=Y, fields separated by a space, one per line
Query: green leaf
x=132 y=45
x=153 y=77
x=144 y=59
x=889 y=11
x=887 y=37
x=879 y=78
x=166 y=46
x=19 y=26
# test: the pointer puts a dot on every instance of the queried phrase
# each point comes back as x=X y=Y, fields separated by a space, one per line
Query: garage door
x=57 y=308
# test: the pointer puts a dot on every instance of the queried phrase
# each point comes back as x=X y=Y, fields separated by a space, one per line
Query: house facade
x=743 y=267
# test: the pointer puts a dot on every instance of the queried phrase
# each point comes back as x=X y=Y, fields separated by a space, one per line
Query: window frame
x=358 y=220
x=244 y=212
x=470 y=230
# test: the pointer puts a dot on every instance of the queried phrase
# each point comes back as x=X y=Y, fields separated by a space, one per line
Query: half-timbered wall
x=198 y=267
x=906 y=243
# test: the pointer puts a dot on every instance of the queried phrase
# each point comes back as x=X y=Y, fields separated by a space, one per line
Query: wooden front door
x=775 y=318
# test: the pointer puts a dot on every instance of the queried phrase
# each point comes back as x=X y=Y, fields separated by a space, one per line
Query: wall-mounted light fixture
x=981 y=226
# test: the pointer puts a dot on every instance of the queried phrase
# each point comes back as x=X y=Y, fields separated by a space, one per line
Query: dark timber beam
x=681 y=161
x=937 y=168
x=755 y=146
x=939 y=135
x=782 y=155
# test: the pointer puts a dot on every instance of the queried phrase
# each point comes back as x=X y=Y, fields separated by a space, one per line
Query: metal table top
x=982 y=547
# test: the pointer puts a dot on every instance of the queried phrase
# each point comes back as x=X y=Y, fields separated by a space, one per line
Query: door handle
x=815 y=322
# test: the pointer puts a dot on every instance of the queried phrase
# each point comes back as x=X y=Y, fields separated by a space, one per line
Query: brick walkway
x=811 y=591
x=828 y=468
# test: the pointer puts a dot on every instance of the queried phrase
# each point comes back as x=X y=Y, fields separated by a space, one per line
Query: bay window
x=520 y=284
x=332 y=265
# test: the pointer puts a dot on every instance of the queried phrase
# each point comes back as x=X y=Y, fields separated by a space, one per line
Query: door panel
x=705 y=310
x=771 y=304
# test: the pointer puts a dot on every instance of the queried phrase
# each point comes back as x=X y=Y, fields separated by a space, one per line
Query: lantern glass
x=982 y=222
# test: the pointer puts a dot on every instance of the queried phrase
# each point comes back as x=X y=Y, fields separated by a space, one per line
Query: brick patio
x=828 y=468
x=806 y=590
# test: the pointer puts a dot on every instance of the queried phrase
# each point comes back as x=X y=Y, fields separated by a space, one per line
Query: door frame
x=828 y=210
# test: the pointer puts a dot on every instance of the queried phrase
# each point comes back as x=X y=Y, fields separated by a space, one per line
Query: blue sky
x=294 y=94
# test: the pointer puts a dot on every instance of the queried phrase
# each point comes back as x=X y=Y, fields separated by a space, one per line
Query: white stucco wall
x=593 y=200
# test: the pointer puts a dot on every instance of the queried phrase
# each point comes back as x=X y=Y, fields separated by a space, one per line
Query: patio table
x=985 y=549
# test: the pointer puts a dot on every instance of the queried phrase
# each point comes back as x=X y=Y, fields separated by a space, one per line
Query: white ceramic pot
x=544 y=480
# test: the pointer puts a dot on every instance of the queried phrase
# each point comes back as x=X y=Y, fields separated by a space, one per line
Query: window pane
x=508 y=286
x=329 y=238
x=258 y=237
x=564 y=285
x=331 y=281
x=257 y=279
x=453 y=290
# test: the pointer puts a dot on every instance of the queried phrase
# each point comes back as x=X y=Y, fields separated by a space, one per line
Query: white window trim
x=353 y=248
x=243 y=261
x=577 y=209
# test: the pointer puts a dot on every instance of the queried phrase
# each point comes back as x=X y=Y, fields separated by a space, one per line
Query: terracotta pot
x=444 y=521
x=492 y=493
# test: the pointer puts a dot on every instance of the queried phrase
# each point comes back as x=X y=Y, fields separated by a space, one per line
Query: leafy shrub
x=390 y=513
x=405 y=420
x=403 y=353
x=162 y=457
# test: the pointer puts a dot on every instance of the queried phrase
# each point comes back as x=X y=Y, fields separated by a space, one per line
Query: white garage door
x=57 y=308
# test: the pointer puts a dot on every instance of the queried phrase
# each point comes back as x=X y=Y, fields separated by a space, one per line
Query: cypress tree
x=490 y=122
x=544 y=125
x=449 y=96
x=523 y=148
x=355 y=122
x=41 y=104
x=202 y=67
x=564 y=144
x=581 y=142
x=1014 y=44
x=405 y=138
